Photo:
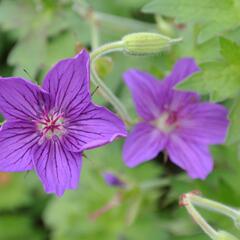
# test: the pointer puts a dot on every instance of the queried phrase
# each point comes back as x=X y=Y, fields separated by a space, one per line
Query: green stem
x=95 y=35
x=118 y=24
x=107 y=48
x=212 y=233
x=214 y=206
x=154 y=184
x=104 y=90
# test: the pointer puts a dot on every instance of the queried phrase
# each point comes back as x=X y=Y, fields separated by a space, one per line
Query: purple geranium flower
x=174 y=121
x=48 y=128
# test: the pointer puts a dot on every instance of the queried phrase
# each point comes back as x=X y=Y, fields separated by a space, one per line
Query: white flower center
x=167 y=122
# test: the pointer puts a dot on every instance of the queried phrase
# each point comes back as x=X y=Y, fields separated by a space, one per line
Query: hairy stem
x=214 y=206
x=103 y=88
x=212 y=233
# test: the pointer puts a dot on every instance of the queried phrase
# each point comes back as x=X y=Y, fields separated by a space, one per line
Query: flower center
x=51 y=125
x=167 y=122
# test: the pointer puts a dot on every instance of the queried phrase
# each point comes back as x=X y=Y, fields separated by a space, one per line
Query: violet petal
x=145 y=93
x=143 y=144
x=57 y=168
x=182 y=69
x=20 y=99
x=205 y=123
x=192 y=157
x=94 y=127
x=68 y=85
x=17 y=140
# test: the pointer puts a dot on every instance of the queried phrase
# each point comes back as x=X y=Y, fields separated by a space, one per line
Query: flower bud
x=222 y=235
x=146 y=43
x=113 y=180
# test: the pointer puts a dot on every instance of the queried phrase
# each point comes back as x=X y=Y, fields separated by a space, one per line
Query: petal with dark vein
x=57 y=168
x=92 y=128
x=20 y=99
x=17 y=140
x=68 y=85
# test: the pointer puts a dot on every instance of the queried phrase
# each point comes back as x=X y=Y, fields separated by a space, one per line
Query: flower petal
x=192 y=157
x=20 y=99
x=183 y=68
x=57 y=168
x=68 y=84
x=94 y=127
x=175 y=100
x=206 y=123
x=17 y=140
x=145 y=92
x=143 y=144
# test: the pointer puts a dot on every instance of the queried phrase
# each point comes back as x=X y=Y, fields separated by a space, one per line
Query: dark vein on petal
x=66 y=90
x=70 y=170
x=15 y=108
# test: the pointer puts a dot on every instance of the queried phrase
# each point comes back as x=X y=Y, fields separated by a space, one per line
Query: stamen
x=51 y=125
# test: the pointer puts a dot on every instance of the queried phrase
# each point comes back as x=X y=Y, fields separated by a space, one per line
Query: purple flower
x=113 y=180
x=174 y=121
x=48 y=128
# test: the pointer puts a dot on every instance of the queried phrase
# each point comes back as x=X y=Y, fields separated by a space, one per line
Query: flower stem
x=107 y=48
x=212 y=233
x=104 y=90
x=214 y=206
x=154 y=184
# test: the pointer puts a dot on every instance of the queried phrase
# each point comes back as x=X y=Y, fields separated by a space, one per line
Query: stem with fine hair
x=186 y=201
x=104 y=90
x=214 y=206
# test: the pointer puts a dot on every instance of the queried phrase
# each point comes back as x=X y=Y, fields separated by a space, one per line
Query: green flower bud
x=146 y=43
x=222 y=235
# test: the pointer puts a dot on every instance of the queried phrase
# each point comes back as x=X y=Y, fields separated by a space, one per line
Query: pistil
x=51 y=125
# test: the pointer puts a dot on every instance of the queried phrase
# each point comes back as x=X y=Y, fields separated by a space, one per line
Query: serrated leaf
x=217 y=16
x=219 y=79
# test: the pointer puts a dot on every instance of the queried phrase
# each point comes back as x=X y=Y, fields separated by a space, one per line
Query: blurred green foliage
x=34 y=34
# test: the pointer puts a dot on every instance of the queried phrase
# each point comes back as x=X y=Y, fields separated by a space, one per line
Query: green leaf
x=234 y=128
x=219 y=79
x=230 y=51
x=217 y=17
x=29 y=54
x=60 y=47
x=16 y=15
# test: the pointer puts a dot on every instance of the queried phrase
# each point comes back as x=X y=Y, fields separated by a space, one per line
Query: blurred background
x=35 y=34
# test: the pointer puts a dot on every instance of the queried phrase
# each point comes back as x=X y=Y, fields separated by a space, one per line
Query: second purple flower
x=174 y=121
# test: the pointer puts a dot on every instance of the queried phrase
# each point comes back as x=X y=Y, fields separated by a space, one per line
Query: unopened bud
x=112 y=180
x=146 y=43
x=222 y=235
